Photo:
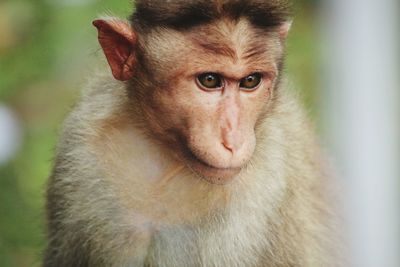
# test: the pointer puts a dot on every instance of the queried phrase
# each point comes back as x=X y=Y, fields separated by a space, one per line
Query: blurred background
x=47 y=50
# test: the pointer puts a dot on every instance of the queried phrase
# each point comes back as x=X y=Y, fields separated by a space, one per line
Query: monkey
x=193 y=150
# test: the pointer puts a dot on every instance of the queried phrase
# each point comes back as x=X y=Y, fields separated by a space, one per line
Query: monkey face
x=211 y=116
x=217 y=124
x=211 y=93
x=204 y=91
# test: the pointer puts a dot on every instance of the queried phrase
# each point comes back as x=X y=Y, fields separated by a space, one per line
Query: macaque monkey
x=193 y=153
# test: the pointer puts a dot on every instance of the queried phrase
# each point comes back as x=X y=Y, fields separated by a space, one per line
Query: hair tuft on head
x=183 y=14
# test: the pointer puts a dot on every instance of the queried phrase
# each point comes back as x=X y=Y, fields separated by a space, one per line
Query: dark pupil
x=210 y=80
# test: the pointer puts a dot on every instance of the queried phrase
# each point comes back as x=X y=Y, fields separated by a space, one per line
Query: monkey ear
x=284 y=29
x=118 y=41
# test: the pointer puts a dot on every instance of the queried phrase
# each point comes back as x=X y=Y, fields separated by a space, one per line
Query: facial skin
x=210 y=129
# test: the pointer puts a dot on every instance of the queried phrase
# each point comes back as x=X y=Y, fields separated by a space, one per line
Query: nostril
x=227 y=147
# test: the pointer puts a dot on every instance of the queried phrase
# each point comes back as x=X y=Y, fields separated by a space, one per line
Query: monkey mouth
x=211 y=174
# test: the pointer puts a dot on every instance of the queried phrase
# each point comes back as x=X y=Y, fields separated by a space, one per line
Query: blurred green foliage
x=47 y=48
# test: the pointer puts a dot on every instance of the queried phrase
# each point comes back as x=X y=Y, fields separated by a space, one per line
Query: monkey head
x=202 y=89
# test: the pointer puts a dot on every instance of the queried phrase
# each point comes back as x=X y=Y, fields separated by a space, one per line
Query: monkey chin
x=213 y=175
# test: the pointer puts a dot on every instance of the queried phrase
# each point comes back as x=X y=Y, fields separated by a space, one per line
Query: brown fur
x=183 y=14
x=124 y=191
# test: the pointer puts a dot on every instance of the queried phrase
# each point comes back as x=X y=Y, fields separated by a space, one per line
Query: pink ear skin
x=118 y=41
x=284 y=29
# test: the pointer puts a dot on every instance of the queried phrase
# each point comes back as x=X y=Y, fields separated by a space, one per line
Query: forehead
x=219 y=44
x=234 y=39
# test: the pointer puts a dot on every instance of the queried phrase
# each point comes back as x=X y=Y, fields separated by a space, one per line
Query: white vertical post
x=362 y=99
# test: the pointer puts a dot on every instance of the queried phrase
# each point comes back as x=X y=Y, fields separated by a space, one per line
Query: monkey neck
x=162 y=188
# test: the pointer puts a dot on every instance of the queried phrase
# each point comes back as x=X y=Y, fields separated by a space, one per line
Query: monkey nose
x=232 y=142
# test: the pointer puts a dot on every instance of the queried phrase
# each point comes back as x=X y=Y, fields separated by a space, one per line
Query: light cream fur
x=130 y=203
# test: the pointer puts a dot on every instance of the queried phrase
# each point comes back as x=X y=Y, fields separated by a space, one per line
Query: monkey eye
x=251 y=82
x=209 y=81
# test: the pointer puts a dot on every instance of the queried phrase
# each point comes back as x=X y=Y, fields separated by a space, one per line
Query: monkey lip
x=212 y=174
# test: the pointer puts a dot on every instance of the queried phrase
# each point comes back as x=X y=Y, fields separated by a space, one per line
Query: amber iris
x=210 y=80
x=251 y=82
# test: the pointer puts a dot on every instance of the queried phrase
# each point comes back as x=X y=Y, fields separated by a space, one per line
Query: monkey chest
x=217 y=244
